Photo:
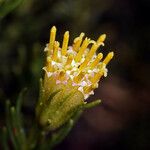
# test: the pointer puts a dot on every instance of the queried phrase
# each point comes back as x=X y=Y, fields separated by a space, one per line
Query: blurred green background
x=122 y=121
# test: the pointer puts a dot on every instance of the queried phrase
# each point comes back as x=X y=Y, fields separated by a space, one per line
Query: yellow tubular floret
x=89 y=56
x=49 y=64
x=101 y=38
x=55 y=53
x=65 y=43
x=97 y=77
x=92 y=51
x=83 y=65
x=79 y=77
x=96 y=61
x=82 y=49
x=88 y=89
x=52 y=39
x=108 y=58
x=78 y=41
x=69 y=59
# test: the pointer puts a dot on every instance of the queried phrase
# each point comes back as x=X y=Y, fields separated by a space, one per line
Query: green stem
x=15 y=127
x=4 y=139
x=10 y=127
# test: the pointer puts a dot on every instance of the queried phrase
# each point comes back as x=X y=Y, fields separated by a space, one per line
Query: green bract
x=57 y=103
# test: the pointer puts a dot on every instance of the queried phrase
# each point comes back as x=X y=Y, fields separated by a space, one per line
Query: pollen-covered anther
x=52 y=39
x=55 y=53
x=89 y=56
x=102 y=38
x=86 y=42
x=69 y=60
x=49 y=66
x=97 y=76
x=108 y=58
x=77 y=42
x=88 y=89
x=78 y=65
x=96 y=61
x=65 y=43
x=79 y=77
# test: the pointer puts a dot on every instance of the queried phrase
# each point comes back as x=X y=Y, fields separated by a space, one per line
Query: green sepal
x=57 y=104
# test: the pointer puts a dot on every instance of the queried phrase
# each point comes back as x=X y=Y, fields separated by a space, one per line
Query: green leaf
x=61 y=134
x=19 y=102
x=33 y=136
x=10 y=127
x=7 y=6
x=4 y=138
x=18 y=118
x=14 y=125
x=92 y=104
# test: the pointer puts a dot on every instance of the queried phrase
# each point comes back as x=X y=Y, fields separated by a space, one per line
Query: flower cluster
x=77 y=64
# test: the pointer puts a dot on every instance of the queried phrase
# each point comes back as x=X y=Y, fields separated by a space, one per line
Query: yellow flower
x=77 y=64
x=72 y=73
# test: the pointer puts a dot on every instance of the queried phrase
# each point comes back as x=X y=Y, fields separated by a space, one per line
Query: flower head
x=72 y=73
x=77 y=64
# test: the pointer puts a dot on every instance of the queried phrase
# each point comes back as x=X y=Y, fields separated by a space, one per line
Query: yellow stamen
x=97 y=76
x=79 y=77
x=49 y=64
x=52 y=39
x=92 y=51
x=69 y=60
x=89 y=56
x=101 y=38
x=82 y=49
x=108 y=58
x=88 y=89
x=65 y=43
x=78 y=41
x=101 y=65
x=96 y=61
x=56 y=46
x=83 y=65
